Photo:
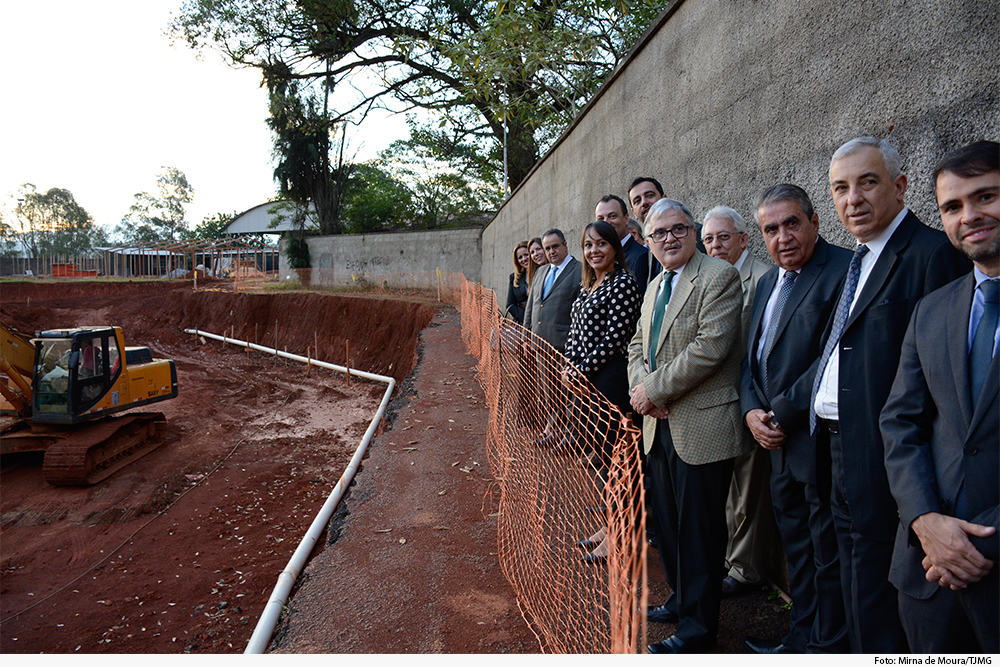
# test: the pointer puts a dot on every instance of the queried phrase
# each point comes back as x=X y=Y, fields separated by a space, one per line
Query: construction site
x=178 y=550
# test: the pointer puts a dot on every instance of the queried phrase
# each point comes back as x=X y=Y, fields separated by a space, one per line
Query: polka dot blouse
x=603 y=322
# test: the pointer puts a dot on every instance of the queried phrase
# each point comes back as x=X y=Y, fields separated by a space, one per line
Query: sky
x=97 y=101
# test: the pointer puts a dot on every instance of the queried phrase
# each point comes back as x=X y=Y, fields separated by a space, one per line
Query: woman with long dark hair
x=603 y=321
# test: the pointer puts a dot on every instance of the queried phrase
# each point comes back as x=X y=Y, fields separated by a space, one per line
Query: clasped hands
x=641 y=404
x=760 y=427
x=951 y=559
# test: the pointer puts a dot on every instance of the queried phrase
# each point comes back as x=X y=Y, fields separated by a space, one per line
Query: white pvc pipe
x=286 y=580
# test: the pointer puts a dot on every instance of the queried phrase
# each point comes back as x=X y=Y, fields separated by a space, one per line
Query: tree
x=158 y=218
x=52 y=223
x=375 y=199
x=302 y=144
x=504 y=73
x=210 y=227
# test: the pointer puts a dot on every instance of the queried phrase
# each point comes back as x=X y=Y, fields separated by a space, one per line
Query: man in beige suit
x=684 y=369
x=752 y=531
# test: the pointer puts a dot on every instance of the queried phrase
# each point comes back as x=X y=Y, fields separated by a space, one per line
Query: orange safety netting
x=552 y=493
x=548 y=495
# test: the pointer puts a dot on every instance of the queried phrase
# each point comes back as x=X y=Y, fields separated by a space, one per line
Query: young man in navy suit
x=941 y=428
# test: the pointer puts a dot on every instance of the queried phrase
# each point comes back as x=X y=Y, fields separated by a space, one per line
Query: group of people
x=821 y=400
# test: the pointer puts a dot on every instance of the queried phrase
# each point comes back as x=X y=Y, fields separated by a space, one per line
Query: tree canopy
x=155 y=218
x=52 y=223
x=498 y=74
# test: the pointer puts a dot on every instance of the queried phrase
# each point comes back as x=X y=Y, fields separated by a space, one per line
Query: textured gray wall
x=367 y=255
x=723 y=98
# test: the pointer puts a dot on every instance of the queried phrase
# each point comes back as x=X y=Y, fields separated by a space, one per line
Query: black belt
x=831 y=425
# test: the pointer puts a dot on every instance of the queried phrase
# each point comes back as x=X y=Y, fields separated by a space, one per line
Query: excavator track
x=96 y=450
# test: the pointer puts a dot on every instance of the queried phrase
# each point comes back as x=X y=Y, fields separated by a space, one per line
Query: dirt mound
x=380 y=334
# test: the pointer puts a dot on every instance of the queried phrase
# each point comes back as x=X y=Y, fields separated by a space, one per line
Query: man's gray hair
x=633 y=224
x=783 y=192
x=726 y=213
x=890 y=156
x=660 y=207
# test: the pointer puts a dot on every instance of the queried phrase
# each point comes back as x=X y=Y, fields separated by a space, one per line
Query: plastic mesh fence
x=553 y=492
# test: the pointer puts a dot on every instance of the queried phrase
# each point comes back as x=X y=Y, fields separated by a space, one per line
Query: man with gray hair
x=684 y=365
x=794 y=302
x=897 y=260
x=748 y=510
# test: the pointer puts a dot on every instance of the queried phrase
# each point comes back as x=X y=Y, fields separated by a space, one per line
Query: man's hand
x=760 y=427
x=951 y=560
x=644 y=406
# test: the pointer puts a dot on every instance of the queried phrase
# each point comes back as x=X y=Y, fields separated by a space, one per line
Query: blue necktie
x=658 y=310
x=981 y=354
x=772 y=326
x=550 y=277
x=839 y=320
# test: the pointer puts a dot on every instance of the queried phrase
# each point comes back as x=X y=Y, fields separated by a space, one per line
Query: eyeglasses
x=678 y=231
x=721 y=238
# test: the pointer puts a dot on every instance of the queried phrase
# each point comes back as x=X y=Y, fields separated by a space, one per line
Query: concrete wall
x=371 y=255
x=723 y=98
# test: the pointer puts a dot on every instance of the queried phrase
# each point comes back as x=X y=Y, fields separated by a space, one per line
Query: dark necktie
x=839 y=320
x=658 y=311
x=772 y=326
x=981 y=354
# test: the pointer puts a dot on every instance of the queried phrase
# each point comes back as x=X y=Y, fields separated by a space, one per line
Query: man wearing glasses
x=684 y=369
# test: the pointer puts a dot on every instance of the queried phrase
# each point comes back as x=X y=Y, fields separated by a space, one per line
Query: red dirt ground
x=179 y=551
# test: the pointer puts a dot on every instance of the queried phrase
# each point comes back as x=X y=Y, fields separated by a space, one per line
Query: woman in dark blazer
x=517 y=287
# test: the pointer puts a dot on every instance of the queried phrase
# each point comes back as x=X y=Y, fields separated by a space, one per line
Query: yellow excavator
x=61 y=388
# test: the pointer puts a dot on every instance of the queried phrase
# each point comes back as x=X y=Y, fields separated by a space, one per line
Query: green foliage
x=495 y=73
x=297 y=251
x=211 y=227
x=51 y=223
x=376 y=200
x=158 y=218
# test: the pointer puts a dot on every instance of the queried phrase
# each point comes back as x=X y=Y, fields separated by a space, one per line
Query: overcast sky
x=97 y=101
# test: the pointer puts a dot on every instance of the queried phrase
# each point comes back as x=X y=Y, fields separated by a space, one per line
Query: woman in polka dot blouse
x=603 y=321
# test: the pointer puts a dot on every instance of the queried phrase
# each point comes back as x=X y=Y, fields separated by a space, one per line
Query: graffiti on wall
x=366 y=264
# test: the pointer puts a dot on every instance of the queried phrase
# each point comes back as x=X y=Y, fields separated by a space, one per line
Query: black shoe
x=661 y=615
x=732 y=587
x=593 y=558
x=766 y=646
x=677 y=646
x=587 y=544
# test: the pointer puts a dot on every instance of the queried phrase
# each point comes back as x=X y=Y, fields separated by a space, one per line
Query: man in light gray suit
x=553 y=291
x=752 y=531
x=547 y=315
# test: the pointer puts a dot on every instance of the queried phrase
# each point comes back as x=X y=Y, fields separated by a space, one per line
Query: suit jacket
x=636 y=256
x=796 y=347
x=750 y=274
x=697 y=361
x=916 y=261
x=549 y=318
x=936 y=441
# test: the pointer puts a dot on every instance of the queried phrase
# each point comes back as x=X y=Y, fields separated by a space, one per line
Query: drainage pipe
x=286 y=580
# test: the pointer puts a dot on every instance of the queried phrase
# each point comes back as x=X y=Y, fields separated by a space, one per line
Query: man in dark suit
x=941 y=427
x=752 y=532
x=612 y=210
x=642 y=194
x=684 y=374
x=794 y=301
x=547 y=315
x=897 y=261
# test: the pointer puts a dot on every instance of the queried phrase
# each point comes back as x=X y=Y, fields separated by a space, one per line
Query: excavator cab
x=73 y=369
x=79 y=375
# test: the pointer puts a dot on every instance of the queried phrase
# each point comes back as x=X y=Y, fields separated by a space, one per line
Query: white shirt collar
x=877 y=244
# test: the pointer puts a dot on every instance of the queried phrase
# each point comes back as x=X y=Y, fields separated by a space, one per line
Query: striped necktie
x=981 y=354
x=658 y=310
x=772 y=326
x=550 y=277
x=839 y=320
